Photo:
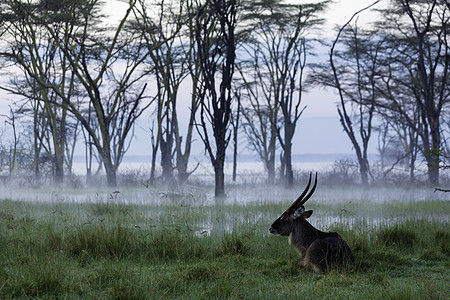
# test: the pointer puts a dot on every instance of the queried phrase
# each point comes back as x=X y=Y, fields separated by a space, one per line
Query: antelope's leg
x=302 y=252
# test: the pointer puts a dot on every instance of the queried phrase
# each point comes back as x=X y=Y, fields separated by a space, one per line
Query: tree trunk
x=182 y=164
x=166 y=159
x=282 y=167
x=111 y=175
x=288 y=160
x=431 y=148
x=435 y=152
x=234 y=162
x=36 y=169
x=288 y=135
x=363 y=171
x=272 y=152
x=110 y=168
x=235 y=138
x=58 y=176
x=219 y=179
x=153 y=164
x=271 y=170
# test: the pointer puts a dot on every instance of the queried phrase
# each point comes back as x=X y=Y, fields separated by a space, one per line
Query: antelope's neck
x=304 y=234
x=290 y=238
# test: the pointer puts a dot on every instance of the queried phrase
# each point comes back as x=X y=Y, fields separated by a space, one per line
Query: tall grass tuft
x=397 y=236
x=443 y=239
x=233 y=244
x=99 y=241
x=169 y=244
x=36 y=278
x=199 y=271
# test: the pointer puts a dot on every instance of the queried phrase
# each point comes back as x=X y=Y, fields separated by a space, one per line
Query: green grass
x=112 y=251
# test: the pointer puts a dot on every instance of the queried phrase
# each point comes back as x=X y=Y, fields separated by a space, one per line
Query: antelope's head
x=284 y=225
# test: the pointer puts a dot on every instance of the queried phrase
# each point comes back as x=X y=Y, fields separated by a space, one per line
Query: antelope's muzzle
x=273 y=230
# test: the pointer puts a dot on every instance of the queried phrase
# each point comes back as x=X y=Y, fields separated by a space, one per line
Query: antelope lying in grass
x=319 y=250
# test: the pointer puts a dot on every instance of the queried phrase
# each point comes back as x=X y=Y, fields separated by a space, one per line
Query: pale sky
x=319 y=130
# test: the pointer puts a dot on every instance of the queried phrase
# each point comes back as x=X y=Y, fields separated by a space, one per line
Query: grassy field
x=115 y=251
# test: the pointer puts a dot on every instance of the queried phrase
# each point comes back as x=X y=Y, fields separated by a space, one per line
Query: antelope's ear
x=299 y=212
x=307 y=214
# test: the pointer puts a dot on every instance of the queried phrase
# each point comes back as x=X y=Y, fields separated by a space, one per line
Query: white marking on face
x=299 y=212
x=290 y=239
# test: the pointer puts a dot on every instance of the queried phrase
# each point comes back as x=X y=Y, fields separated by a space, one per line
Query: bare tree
x=400 y=113
x=355 y=81
x=195 y=73
x=354 y=76
x=215 y=35
x=31 y=107
x=13 y=151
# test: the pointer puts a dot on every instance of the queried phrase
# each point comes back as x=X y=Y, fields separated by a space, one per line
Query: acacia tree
x=277 y=47
x=168 y=67
x=32 y=108
x=420 y=40
x=29 y=47
x=260 y=108
x=397 y=102
x=290 y=106
x=215 y=35
x=173 y=62
x=91 y=52
x=404 y=133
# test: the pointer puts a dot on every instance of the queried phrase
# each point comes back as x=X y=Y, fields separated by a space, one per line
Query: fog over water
x=249 y=200
x=249 y=189
x=252 y=204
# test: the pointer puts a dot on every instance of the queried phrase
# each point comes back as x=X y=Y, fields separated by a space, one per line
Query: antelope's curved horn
x=310 y=193
x=294 y=205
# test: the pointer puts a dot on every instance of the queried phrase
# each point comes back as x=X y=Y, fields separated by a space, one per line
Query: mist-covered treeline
x=79 y=77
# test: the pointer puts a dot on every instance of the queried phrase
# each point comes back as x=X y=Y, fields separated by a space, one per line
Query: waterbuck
x=319 y=251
